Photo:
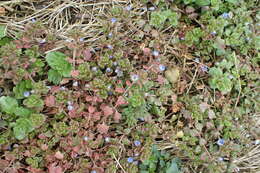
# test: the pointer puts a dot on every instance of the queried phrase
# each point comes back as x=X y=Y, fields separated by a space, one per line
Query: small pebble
x=26 y=94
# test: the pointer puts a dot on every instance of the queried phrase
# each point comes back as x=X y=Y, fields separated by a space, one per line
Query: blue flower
x=221 y=142
x=85 y=138
x=109 y=46
x=128 y=8
x=134 y=77
x=137 y=143
x=130 y=159
x=75 y=84
x=93 y=171
x=155 y=53
x=213 y=33
x=26 y=94
x=197 y=60
x=81 y=39
x=204 y=68
x=225 y=15
x=115 y=63
x=107 y=139
x=110 y=34
x=162 y=67
x=108 y=70
x=70 y=107
x=94 y=69
x=152 y=8
x=220 y=159
x=113 y=20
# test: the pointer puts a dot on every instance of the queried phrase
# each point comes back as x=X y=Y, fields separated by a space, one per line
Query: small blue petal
x=155 y=53
x=113 y=20
x=204 y=68
x=130 y=159
x=128 y=8
x=137 y=143
x=162 y=67
x=26 y=94
x=225 y=15
x=221 y=142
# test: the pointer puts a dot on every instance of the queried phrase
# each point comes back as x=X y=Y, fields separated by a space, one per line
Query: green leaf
x=33 y=101
x=37 y=120
x=22 y=87
x=174 y=168
x=22 y=112
x=157 y=19
x=57 y=61
x=8 y=104
x=202 y=2
x=172 y=17
x=2 y=31
x=54 y=76
x=5 y=40
x=22 y=127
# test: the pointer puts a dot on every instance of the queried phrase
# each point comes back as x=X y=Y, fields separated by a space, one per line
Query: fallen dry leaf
x=91 y=109
x=49 y=101
x=2 y=11
x=59 y=155
x=102 y=128
x=117 y=116
x=74 y=73
x=54 y=169
x=107 y=110
x=120 y=101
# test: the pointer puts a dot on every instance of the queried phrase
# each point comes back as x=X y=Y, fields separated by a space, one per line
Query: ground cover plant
x=143 y=86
